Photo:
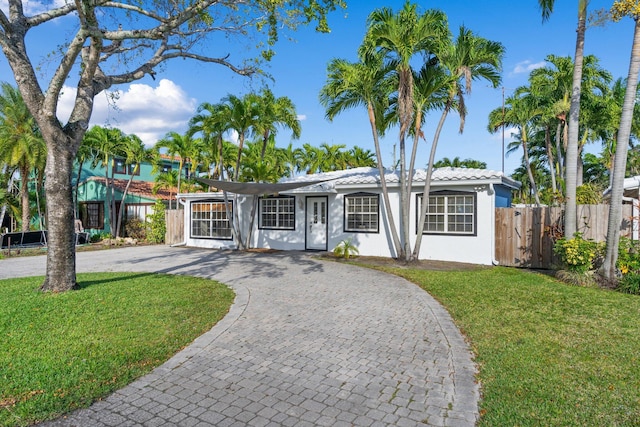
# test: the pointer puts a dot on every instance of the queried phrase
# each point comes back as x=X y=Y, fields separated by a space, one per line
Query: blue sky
x=150 y=108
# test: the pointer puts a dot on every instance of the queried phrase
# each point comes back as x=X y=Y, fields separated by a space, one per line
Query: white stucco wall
x=478 y=249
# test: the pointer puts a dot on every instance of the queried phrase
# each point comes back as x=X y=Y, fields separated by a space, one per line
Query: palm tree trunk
x=427 y=183
x=550 y=159
x=405 y=113
x=620 y=160
x=532 y=181
x=414 y=149
x=570 y=214
x=108 y=195
x=235 y=235
x=579 y=167
x=383 y=183
x=24 y=198
x=559 y=132
x=3 y=209
x=124 y=196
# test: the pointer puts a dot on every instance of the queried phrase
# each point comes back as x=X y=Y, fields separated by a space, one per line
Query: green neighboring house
x=93 y=210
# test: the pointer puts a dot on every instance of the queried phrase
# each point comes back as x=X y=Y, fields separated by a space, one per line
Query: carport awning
x=257 y=188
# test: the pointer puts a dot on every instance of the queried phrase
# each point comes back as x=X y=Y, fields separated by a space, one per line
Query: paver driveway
x=307 y=342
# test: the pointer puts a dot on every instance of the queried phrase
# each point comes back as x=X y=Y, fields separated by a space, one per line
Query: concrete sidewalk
x=307 y=342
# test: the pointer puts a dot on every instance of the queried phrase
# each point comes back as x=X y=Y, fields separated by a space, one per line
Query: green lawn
x=59 y=352
x=550 y=354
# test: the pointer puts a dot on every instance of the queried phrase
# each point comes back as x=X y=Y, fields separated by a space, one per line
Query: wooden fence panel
x=174 y=219
x=525 y=236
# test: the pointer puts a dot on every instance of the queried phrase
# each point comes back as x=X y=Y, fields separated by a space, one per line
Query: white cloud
x=527 y=66
x=509 y=133
x=302 y=117
x=233 y=136
x=149 y=112
x=33 y=7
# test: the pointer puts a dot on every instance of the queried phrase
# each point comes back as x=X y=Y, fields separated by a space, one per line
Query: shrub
x=98 y=237
x=136 y=229
x=157 y=223
x=628 y=256
x=345 y=249
x=629 y=284
x=577 y=254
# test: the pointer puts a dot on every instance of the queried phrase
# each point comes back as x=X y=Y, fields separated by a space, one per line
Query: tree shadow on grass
x=114 y=278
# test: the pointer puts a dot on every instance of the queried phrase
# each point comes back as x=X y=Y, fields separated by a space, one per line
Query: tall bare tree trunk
x=24 y=198
x=571 y=163
x=427 y=183
x=61 y=254
x=620 y=160
x=124 y=196
x=383 y=183
x=550 y=158
x=532 y=181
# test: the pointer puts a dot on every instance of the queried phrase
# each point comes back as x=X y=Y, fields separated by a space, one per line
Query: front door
x=316 y=233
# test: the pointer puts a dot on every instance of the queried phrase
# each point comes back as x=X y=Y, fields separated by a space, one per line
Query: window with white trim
x=209 y=220
x=277 y=213
x=361 y=212
x=450 y=213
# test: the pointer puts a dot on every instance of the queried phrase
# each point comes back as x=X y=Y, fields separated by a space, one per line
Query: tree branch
x=52 y=14
x=63 y=70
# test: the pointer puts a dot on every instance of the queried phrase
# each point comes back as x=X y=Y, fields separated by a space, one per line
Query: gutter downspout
x=183 y=202
x=635 y=208
x=492 y=192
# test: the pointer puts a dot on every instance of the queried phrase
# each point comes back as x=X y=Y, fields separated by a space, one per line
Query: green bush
x=628 y=256
x=345 y=249
x=136 y=229
x=157 y=223
x=629 y=284
x=98 y=237
x=577 y=254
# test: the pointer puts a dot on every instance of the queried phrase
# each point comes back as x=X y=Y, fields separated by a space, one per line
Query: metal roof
x=371 y=176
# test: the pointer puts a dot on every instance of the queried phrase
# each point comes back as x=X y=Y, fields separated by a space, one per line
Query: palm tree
x=571 y=161
x=401 y=37
x=273 y=113
x=260 y=164
x=20 y=143
x=166 y=180
x=619 y=10
x=359 y=157
x=242 y=118
x=430 y=93
x=309 y=158
x=289 y=157
x=213 y=122
x=108 y=144
x=468 y=58
x=136 y=153
x=180 y=146
x=456 y=162
x=552 y=84
x=367 y=83
x=333 y=158
x=520 y=110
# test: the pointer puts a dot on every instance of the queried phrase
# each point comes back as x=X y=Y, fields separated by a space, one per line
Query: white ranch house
x=328 y=208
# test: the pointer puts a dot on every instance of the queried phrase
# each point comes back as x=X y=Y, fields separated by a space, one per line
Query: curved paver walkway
x=306 y=343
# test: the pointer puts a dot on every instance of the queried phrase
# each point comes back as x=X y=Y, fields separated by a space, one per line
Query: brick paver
x=307 y=342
